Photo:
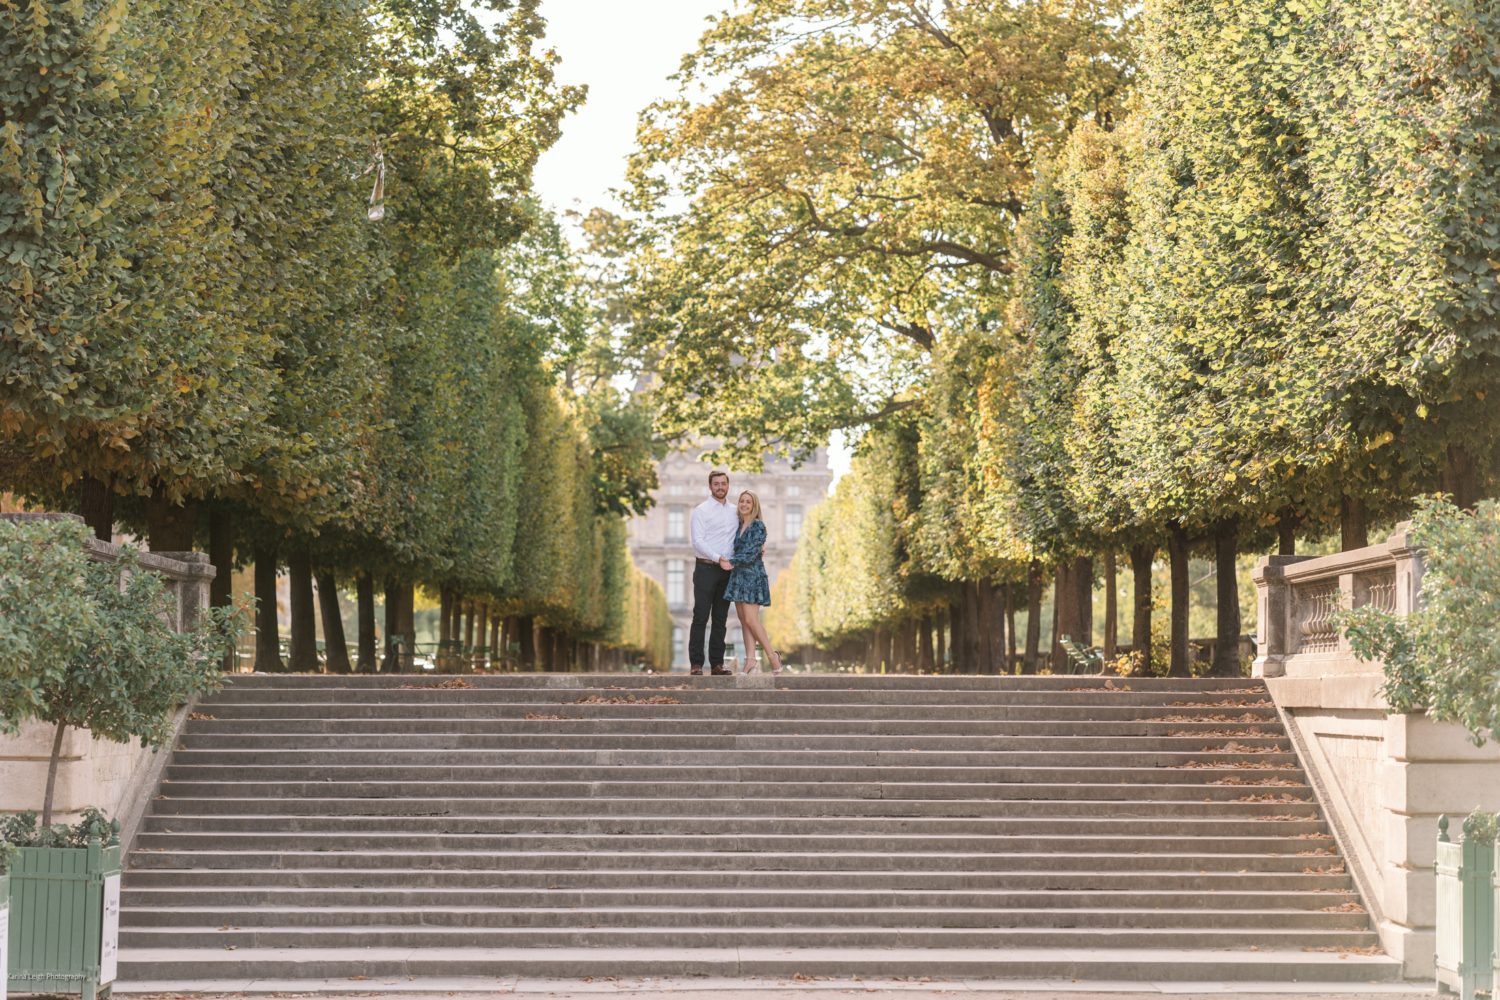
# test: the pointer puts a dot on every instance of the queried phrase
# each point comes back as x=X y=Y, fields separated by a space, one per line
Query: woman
x=748 y=587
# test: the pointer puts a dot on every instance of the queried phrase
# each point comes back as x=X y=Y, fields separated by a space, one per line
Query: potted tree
x=85 y=644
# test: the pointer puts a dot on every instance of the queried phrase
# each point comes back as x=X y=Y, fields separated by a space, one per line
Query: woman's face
x=746 y=505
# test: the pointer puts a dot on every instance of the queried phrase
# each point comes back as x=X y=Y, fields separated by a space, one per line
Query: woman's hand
x=724 y=563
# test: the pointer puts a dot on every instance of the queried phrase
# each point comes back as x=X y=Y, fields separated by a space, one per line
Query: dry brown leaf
x=595 y=699
x=1330 y=870
x=1247 y=717
x=1259 y=781
x=452 y=683
x=1350 y=907
x=1251 y=731
x=200 y=717
x=1233 y=765
x=1220 y=704
x=554 y=718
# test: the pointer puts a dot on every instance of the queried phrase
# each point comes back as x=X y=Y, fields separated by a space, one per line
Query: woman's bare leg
x=750 y=619
x=750 y=666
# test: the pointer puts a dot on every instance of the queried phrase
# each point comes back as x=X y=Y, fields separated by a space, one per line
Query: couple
x=728 y=540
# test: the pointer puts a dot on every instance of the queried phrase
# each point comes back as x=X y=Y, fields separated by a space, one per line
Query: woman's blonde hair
x=754 y=504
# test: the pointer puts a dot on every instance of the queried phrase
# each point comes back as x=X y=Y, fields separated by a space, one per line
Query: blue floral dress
x=748 y=583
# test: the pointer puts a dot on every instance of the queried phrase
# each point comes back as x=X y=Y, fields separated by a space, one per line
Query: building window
x=676 y=524
x=794 y=491
x=793 y=521
x=675 y=489
x=676 y=590
x=679 y=645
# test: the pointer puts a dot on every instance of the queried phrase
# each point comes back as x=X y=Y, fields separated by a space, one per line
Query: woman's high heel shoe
x=776 y=670
x=751 y=666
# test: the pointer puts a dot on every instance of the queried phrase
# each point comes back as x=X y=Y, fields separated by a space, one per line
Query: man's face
x=719 y=487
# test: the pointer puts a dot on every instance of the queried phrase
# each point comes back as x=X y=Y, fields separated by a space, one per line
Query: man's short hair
x=715 y=475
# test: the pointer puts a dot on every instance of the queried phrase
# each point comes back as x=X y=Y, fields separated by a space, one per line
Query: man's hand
x=725 y=563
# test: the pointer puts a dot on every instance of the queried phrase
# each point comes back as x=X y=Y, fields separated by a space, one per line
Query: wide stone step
x=1246 y=842
x=226 y=733
x=1079 y=961
x=1148 y=785
x=250 y=926
x=146 y=908
x=1165 y=856
x=1297 y=801
x=709 y=715
x=690 y=935
x=732 y=826
x=265 y=885
x=255 y=749
x=628 y=766
x=788 y=681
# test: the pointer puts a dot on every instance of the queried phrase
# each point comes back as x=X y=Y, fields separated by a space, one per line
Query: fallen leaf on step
x=359 y=977
x=230 y=947
x=1350 y=907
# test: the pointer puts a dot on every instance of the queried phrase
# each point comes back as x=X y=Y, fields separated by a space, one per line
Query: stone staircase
x=316 y=827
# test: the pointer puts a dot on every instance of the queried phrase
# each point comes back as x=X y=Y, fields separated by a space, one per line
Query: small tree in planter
x=87 y=644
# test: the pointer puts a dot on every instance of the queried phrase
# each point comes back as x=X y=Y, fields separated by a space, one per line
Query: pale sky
x=624 y=51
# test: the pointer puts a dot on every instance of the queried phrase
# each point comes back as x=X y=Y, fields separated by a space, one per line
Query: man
x=715 y=521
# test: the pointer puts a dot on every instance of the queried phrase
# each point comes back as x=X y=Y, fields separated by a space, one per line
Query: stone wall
x=1382 y=779
x=115 y=777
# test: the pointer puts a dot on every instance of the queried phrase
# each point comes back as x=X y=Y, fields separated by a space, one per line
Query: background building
x=660 y=541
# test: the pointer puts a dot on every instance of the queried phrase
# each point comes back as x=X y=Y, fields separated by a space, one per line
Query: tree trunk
x=57 y=739
x=335 y=648
x=1033 y=617
x=364 y=585
x=409 y=625
x=1141 y=557
x=445 y=629
x=1286 y=531
x=267 y=631
x=221 y=555
x=925 y=659
x=1461 y=478
x=302 y=654
x=1064 y=614
x=996 y=614
x=496 y=623
x=1083 y=609
x=543 y=648
x=482 y=632
x=1177 y=551
x=1227 y=644
x=169 y=526
x=98 y=507
x=940 y=639
x=526 y=636
x=984 y=642
x=1111 y=610
x=392 y=659
x=1354 y=533
x=973 y=629
x=956 y=632
x=468 y=612
x=1010 y=627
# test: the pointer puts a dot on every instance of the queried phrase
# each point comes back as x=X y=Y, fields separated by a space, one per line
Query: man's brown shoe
x=696 y=671
x=721 y=671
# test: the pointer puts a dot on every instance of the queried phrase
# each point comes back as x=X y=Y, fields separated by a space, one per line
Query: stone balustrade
x=1383 y=779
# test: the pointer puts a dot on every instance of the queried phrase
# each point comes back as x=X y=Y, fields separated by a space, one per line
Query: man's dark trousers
x=709 y=581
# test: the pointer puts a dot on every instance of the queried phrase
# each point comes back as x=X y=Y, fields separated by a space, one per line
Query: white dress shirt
x=713 y=526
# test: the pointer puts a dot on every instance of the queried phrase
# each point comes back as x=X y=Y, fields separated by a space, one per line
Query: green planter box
x=64 y=919
x=1465 y=914
x=4 y=933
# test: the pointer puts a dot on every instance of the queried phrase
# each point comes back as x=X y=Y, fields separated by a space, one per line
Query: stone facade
x=1383 y=779
x=662 y=548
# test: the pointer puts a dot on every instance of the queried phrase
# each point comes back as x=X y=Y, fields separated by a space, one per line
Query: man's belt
x=709 y=561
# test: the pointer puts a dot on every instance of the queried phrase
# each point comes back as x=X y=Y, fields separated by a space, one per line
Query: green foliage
x=23 y=829
x=1445 y=658
x=1482 y=827
x=123 y=676
x=853 y=185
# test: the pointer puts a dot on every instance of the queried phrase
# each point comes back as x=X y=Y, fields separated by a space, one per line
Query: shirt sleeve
x=700 y=535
